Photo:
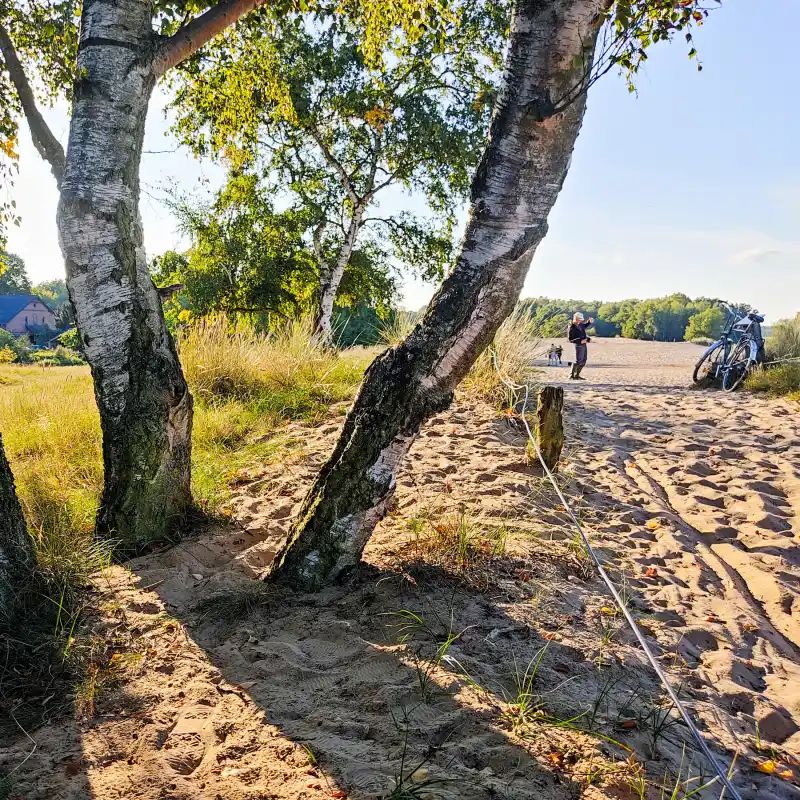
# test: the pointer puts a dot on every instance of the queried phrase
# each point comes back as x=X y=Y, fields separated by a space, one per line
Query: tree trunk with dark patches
x=517 y=182
x=144 y=402
x=550 y=425
x=16 y=554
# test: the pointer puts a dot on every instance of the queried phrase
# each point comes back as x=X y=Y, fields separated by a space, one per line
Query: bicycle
x=710 y=365
x=748 y=352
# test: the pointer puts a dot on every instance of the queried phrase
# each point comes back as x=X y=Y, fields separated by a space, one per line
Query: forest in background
x=675 y=318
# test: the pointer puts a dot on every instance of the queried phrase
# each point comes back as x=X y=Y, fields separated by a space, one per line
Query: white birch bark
x=516 y=185
x=144 y=402
x=331 y=276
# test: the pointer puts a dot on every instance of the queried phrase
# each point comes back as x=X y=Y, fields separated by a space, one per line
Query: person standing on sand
x=576 y=333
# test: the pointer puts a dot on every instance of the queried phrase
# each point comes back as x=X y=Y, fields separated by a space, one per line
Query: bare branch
x=190 y=38
x=45 y=142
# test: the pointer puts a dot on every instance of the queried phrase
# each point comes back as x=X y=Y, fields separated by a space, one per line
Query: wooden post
x=550 y=424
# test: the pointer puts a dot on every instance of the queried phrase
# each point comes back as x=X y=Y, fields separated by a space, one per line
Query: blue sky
x=692 y=185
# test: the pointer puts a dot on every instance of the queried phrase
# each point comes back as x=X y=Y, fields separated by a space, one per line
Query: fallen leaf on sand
x=550 y=636
x=767 y=767
x=710 y=619
x=787 y=774
x=607 y=610
x=651 y=572
x=339 y=794
x=556 y=759
x=748 y=626
x=653 y=525
x=629 y=723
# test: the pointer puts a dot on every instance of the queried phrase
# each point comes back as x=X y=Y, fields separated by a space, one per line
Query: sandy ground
x=691 y=498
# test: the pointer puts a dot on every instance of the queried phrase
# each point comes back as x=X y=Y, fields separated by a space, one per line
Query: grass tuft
x=780 y=380
x=517 y=344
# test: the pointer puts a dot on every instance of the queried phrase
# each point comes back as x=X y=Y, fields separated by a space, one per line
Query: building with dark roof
x=25 y=315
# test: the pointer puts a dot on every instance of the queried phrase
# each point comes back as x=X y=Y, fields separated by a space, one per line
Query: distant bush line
x=675 y=318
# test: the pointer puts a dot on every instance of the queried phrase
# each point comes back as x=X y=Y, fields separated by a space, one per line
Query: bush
x=71 y=340
x=20 y=347
x=7 y=355
x=60 y=357
x=783 y=379
x=517 y=344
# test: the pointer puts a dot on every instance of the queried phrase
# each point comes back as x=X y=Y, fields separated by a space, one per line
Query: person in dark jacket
x=576 y=334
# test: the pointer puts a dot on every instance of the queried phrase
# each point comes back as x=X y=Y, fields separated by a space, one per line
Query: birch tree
x=300 y=103
x=16 y=554
x=555 y=53
x=108 y=68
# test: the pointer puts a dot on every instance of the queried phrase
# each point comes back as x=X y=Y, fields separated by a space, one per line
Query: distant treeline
x=675 y=318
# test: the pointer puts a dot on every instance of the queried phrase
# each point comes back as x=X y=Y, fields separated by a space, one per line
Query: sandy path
x=717 y=478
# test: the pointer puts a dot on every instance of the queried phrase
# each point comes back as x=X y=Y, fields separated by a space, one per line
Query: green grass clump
x=780 y=380
x=51 y=431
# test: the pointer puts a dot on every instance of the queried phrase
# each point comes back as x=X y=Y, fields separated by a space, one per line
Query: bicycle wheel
x=707 y=367
x=735 y=371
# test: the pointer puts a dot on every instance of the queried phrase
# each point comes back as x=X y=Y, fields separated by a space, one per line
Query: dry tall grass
x=784 y=341
x=288 y=368
x=517 y=344
x=398 y=327
x=51 y=432
x=246 y=383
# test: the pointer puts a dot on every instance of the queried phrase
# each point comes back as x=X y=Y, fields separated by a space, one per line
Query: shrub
x=7 y=355
x=783 y=379
x=71 y=340
x=60 y=357
x=20 y=347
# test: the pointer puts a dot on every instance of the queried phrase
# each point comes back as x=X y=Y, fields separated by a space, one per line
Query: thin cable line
x=721 y=774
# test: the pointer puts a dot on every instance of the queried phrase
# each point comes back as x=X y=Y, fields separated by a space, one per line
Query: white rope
x=721 y=774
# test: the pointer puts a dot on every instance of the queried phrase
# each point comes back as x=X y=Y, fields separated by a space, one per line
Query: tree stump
x=550 y=425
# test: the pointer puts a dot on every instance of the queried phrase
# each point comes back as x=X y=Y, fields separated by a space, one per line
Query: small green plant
x=410 y=627
x=459 y=543
x=684 y=787
x=525 y=705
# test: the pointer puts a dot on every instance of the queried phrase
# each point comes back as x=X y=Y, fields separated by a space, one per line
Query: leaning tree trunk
x=16 y=554
x=144 y=402
x=520 y=175
x=331 y=277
